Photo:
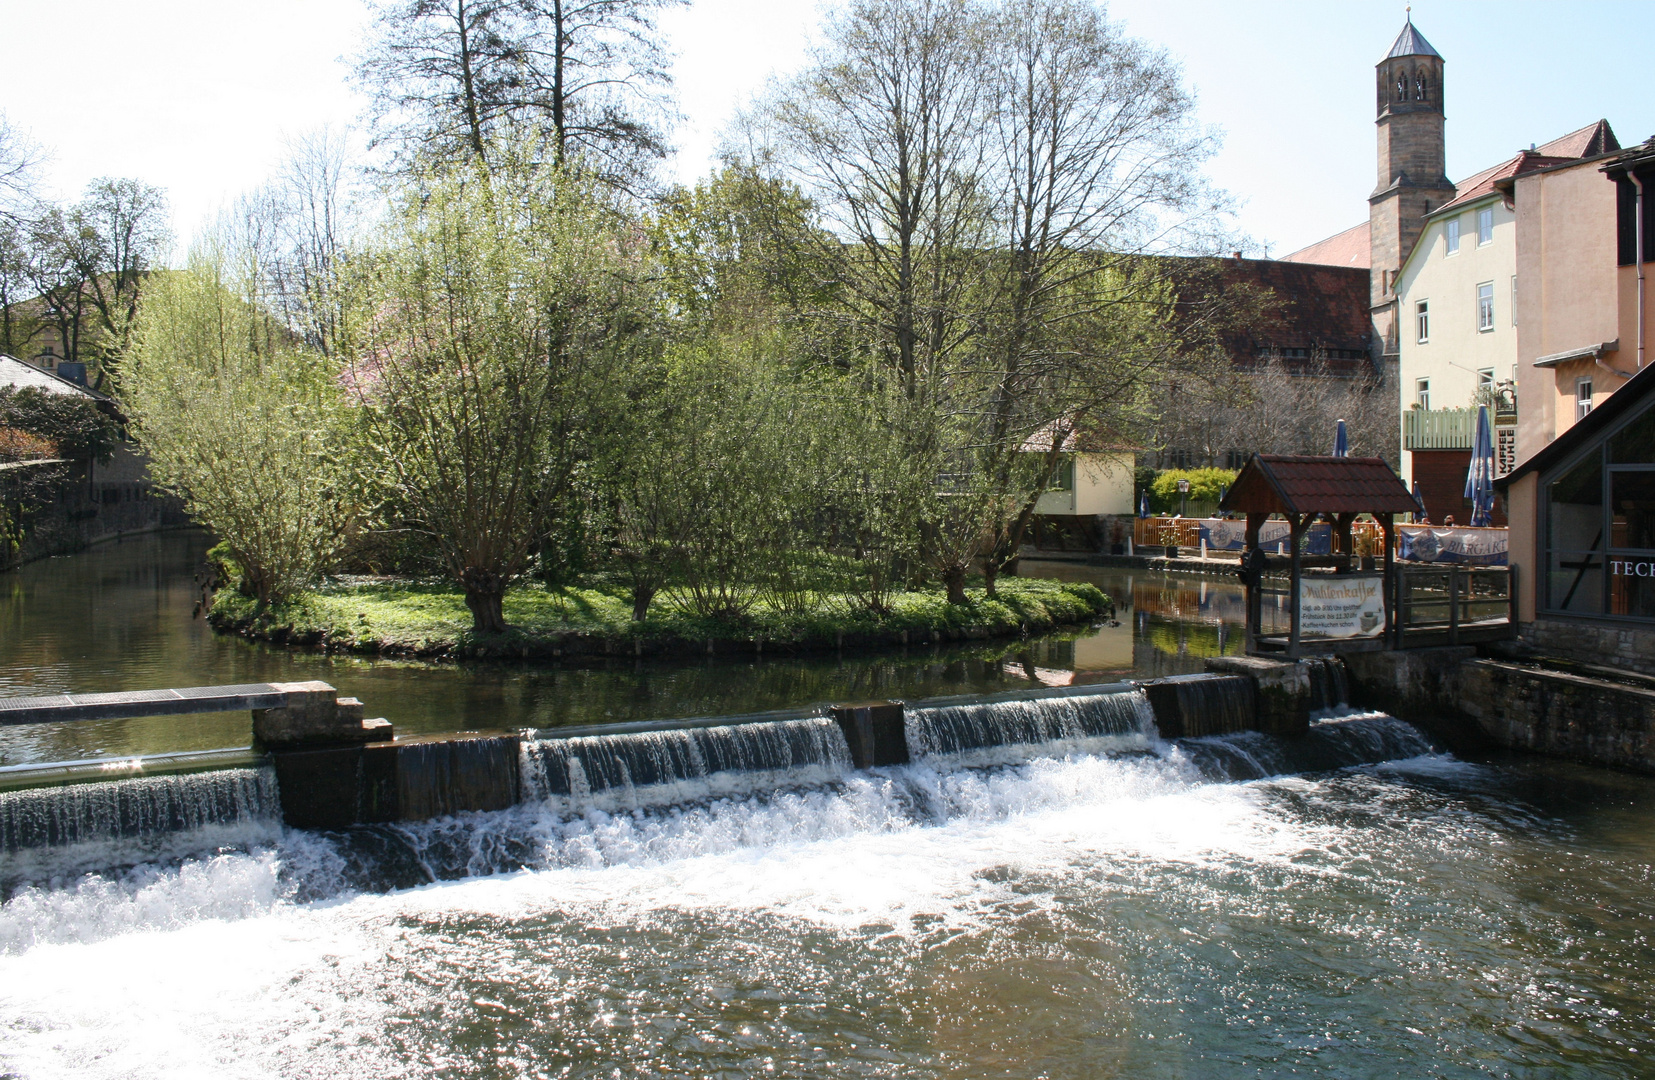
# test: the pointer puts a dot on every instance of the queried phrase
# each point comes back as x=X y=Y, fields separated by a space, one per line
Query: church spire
x=1411 y=42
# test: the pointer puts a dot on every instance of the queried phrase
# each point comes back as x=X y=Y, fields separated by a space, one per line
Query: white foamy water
x=766 y=931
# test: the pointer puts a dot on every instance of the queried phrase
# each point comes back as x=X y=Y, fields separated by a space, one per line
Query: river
x=1070 y=911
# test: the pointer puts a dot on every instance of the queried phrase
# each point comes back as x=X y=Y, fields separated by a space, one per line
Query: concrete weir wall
x=334 y=768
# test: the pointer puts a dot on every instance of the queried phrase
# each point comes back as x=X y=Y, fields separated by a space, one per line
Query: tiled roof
x=1349 y=248
x=1317 y=307
x=1292 y=484
x=18 y=373
x=1411 y=43
x=1484 y=183
x=1593 y=139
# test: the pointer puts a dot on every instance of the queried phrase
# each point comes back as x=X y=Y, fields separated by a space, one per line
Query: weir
x=318 y=764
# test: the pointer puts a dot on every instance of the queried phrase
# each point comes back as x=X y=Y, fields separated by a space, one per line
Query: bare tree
x=312 y=188
x=1273 y=406
x=20 y=159
x=587 y=79
x=442 y=75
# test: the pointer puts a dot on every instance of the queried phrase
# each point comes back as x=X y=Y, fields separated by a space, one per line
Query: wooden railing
x=1453 y=605
x=1438 y=429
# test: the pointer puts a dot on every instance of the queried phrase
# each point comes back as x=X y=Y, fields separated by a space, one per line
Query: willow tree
x=241 y=420
x=492 y=312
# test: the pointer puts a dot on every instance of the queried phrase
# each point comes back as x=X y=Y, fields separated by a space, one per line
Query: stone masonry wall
x=1561 y=714
x=1630 y=648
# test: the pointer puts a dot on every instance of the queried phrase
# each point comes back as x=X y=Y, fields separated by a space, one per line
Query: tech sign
x=1632 y=568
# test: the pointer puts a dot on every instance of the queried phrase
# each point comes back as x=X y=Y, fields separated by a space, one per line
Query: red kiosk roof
x=1292 y=484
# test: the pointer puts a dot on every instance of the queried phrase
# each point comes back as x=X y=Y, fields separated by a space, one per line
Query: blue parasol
x=1479 y=479
x=1424 y=518
x=1143 y=505
x=1341 y=441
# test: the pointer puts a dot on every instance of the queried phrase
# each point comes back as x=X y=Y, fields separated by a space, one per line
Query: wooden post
x=1296 y=524
x=1453 y=605
x=1341 y=536
x=1393 y=583
x=1255 y=589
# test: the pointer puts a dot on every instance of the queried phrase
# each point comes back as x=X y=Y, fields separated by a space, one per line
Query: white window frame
x=1583 y=397
x=1485 y=378
x=1422 y=321
x=1422 y=394
x=1451 y=233
x=1485 y=226
x=1485 y=306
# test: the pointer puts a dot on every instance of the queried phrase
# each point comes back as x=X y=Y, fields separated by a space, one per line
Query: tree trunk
x=991 y=573
x=954 y=579
x=485 y=595
x=641 y=596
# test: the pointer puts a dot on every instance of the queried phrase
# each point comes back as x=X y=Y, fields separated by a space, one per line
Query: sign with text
x=1342 y=607
x=1632 y=568
x=1476 y=547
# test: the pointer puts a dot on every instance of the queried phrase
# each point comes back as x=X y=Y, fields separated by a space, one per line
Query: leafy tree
x=242 y=421
x=992 y=180
x=491 y=316
x=88 y=264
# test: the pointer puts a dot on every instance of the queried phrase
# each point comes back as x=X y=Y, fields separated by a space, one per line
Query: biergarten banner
x=1342 y=607
x=1223 y=534
x=1472 y=547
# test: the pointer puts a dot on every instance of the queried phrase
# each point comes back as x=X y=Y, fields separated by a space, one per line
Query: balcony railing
x=1438 y=429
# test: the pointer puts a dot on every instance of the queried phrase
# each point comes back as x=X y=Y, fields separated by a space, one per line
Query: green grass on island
x=430 y=619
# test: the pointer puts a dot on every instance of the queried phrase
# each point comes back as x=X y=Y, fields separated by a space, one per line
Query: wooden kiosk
x=1338 y=606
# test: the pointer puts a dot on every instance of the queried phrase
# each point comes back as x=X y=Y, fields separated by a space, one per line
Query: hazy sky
x=197 y=96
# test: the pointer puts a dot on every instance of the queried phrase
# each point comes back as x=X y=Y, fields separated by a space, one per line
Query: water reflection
x=121 y=616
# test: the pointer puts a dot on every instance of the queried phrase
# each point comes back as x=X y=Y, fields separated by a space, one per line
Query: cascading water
x=1329 y=685
x=134 y=808
x=1115 y=717
x=681 y=764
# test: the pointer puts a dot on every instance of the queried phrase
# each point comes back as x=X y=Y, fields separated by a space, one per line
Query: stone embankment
x=1595 y=715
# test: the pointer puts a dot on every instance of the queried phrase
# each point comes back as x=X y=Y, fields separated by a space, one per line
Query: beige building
x=1089 y=485
x=1582 y=500
x=1457 y=294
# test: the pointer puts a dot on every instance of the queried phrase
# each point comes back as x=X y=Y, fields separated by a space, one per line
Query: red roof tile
x=1349 y=248
x=1291 y=484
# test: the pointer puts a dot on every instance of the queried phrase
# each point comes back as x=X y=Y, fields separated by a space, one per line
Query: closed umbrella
x=1479 y=479
x=1143 y=505
x=1424 y=518
x=1341 y=441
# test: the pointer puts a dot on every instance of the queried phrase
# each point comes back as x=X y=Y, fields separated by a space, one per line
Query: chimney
x=1238 y=256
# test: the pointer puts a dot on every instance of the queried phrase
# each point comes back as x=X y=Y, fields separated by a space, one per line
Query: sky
x=200 y=96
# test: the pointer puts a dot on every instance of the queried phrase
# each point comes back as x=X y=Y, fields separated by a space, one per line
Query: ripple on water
x=1069 y=916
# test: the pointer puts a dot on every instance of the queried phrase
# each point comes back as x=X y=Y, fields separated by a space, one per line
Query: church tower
x=1412 y=181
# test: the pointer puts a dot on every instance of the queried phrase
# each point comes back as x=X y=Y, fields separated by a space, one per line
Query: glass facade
x=1600 y=527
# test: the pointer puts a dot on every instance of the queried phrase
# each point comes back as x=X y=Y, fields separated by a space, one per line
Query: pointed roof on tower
x=1411 y=43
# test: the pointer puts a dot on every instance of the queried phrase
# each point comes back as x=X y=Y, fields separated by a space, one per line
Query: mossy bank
x=430 y=621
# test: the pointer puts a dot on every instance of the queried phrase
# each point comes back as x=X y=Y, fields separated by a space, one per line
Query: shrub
x=1205 y=486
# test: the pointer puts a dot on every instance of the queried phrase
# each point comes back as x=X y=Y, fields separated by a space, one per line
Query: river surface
x=120 y=617
x=1193 y=909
